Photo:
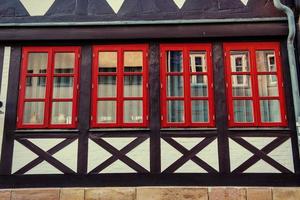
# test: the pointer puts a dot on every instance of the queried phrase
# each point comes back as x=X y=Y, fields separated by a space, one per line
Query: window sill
x=47 y=131
x=260 y=129
x=118 y=129
x=188 y=129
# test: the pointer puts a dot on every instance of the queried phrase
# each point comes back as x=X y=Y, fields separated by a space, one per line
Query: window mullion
x=255 y=88
x=120 y=88
x=49 y=88
x=187 y=92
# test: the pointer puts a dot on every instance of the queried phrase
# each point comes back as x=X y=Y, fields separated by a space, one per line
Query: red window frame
x=120 y=74
x=186 y=48
x=252 y=47
x=48 y=99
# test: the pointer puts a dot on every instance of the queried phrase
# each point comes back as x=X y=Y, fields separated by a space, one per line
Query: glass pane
x=33 y=113
x=175 y=86
x=133 y=61
x=37 y=63
x=64 y=63
x=265 y=61
x=239 y=61
x=175 y=111
x=133 y=86
x=200 y=111
x=63 y=87
x=241 y=86
x=35 y=87
x=243 y=110
x=268 y=85
x=133 y=111
x=61 y=113
x=270 y=111
x=199 y=86
x=106 y=111
x=107 y=86
x=174 y=61
x=198 y=61
x=108 y=61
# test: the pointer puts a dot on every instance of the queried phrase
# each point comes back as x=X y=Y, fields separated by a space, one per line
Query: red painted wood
x=252 y=48
x=186 y=48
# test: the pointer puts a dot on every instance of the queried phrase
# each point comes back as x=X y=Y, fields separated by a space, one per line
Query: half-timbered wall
x=142 y=156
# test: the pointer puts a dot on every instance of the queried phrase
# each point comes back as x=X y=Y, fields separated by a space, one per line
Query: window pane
x=107 y=86
x=106 y=111
x=268 y=85
x=241 y=86
x=243 y=110
x=63 y=87
x=239 y=61
x=174 y=61
x=175 y=111
x=270 y=111
x=61 y=113
x=199 y=86
x=37 y=63
x=33 y=113
x=133 y=111
x=265 y=61
x=200 y=111
x=133 y=61
x=133 y=86
x=175 y=86
x=108 y=61
x=198 y=61
x=35 y=87
x=64 y=63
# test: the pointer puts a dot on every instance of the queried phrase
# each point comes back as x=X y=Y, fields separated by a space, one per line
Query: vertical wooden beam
x=11 y=110
x=154 y=103
x=220 y=107
x=84 y=107
x=1 y=63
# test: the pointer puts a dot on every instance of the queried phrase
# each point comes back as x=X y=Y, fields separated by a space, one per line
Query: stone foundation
x=152 y=193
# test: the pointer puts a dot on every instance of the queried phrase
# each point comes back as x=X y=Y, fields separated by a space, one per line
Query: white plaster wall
x=282 y=154
x=3 y=91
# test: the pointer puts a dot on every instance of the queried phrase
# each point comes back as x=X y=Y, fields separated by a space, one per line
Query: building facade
x=147 y=92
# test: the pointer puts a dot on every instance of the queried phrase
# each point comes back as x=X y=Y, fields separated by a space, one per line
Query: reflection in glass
x=63 y=87
x=174 y=61
x=133 y=86
x=270 y=111
x=241 y=86
x=37 y=63
x=268 y=85
x=175 y=86
x=61 y=113
x=199 y=86
x=239 y=61
x=106 y=111
x=133 y=111
x=33 y=113
x=198 y=61
x=108 y=61
x=243 y=110
x=64 y=63
x=265 y=61
x=175 y=111
x=107 y=86
x=133 y=61
x=200 y=111
x=35 y=87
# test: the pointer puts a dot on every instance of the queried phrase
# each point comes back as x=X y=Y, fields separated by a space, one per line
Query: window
x=120 y=82
x=48 y=87
x=254 y=84
x=187 y=85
